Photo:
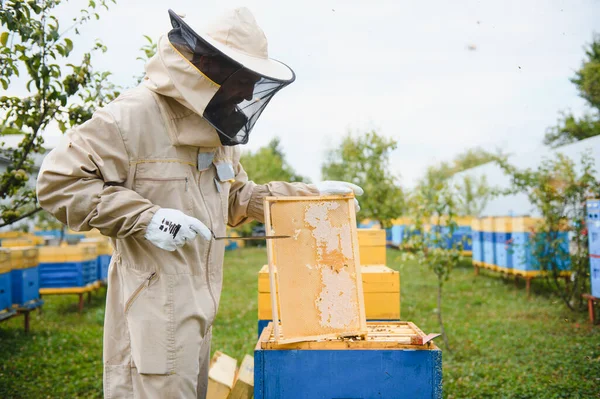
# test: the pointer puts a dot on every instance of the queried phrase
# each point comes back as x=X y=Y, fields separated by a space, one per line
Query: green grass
x=503 y=345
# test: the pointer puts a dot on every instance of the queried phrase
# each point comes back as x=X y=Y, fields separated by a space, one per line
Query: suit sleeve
x=81 y=181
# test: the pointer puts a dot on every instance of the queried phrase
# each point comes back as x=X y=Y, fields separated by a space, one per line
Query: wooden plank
x=63 y=291
x=272 y=278
x=221 y=375
x=318 y=269
x=243 y=387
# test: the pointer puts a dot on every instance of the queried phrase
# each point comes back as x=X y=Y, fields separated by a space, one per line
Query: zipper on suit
x=139 y=290
x=210 y=291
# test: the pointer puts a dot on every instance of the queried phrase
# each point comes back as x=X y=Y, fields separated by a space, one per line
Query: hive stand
x=591 y=300
x=79 y=291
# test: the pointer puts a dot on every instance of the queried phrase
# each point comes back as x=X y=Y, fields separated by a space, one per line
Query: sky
x=437 y=76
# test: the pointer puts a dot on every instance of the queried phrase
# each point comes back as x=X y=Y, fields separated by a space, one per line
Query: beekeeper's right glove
x=169 y=229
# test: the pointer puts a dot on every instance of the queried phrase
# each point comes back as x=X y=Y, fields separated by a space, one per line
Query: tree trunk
x=439 y=308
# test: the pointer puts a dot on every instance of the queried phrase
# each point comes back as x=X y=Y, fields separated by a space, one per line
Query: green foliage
x=148 y=51
x=263 y=166
x=363 y=159
x=268 y=164
x=558 y=189
x=472 y=194
x=434 y=201
x=35 y=49
x=570 y=129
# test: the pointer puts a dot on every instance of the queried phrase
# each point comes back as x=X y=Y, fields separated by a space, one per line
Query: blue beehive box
x=103 y=264
x=595 y=276
x=559 y=255
x=593 y=225
x=522 y=246
x=24 y=274
x=68 y=266
x=389 y=367
x=25 y=285
x=477 y=241
x=5 y=290
x=5 y=281
x=503 y=242
x=397 y=234
x=489 y=242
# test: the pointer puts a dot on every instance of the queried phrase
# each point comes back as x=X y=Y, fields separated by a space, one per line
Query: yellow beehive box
x=5 y=266
x=69 y=253
x=525 y=224
x=487 y=224
x=103 y=245
x=23 y=257
x=11 y=234
x=464 y=220
x=371 y=237
x=381 y=289
x=503 y=224
x=371 y=246
x=17 y=242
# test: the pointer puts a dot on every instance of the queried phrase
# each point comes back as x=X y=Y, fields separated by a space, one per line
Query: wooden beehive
x=396 y=360
x=381 y=289
x=318 y=269
x=372 y=246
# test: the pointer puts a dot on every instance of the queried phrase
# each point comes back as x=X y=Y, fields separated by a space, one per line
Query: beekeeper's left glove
x=332 y=187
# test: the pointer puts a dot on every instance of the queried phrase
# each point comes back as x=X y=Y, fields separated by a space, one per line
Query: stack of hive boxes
x=381 y=285
x=24 y=275
x=507 y=244
x=329 y=350
x=104 y=251
x=5 y=285
x=68 y=266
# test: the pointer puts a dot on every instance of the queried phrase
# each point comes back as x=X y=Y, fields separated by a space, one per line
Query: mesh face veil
x=243 y=93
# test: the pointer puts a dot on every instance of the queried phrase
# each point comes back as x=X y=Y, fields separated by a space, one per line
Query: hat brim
x=266 y=67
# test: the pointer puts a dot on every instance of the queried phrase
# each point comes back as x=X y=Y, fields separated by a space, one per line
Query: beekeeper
x=153 y=169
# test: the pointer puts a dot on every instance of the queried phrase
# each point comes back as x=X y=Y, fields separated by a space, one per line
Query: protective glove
x=331 y=187
x=169 y=229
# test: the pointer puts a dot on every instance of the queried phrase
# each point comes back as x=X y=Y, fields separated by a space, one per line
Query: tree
x=434 y=201
x=268 y=164
x=472 y=194
x=558 y=189
x=35 y=51
x=364 y=160
x=570 y=129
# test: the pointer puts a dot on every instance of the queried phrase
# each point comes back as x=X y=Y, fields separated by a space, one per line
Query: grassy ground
x=503 y=345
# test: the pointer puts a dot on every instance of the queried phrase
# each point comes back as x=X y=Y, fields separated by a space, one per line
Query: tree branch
x=22 y=217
